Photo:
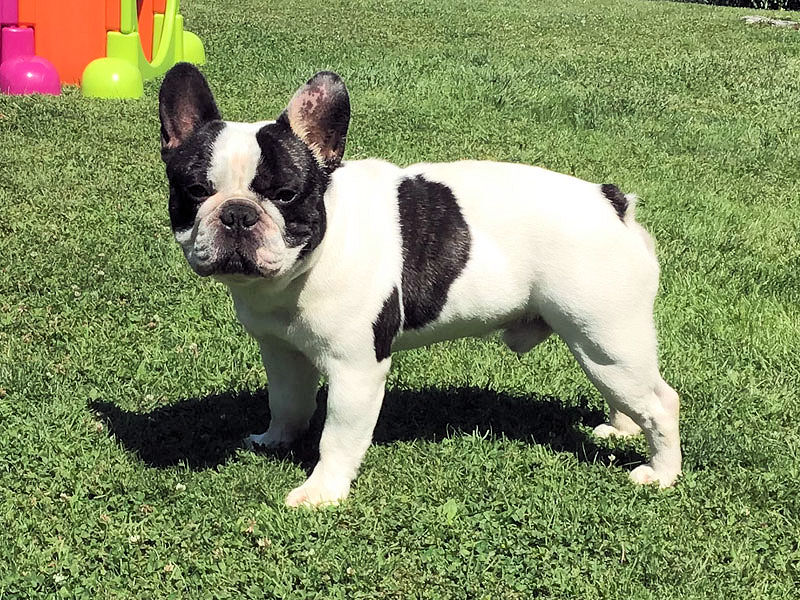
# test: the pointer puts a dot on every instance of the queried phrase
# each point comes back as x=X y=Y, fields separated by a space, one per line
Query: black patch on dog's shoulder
x=616 y=197
x=187 y=170
x=386 y=326
x=436 y=245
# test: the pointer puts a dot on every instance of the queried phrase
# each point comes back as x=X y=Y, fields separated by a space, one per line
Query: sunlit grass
x=126 y=383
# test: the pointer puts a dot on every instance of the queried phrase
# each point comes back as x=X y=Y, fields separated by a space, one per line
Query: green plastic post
x=158 y=26
x=128 y=17
x=111 y=78
x=193 y=50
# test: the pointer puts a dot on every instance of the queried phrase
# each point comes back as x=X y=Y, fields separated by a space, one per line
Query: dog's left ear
x=319 y=114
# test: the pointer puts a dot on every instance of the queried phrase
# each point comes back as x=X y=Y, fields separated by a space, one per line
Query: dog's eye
x=284 y=196
x=198 y=190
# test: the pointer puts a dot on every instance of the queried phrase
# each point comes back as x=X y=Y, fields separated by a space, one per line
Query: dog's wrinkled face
x=246 y=199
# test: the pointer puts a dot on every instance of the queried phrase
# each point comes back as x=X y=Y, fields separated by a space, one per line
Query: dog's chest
x=260 y=316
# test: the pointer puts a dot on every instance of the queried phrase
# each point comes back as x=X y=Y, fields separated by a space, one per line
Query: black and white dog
x=333 y=264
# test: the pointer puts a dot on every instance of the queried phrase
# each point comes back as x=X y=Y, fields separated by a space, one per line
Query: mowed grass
x=127 y=384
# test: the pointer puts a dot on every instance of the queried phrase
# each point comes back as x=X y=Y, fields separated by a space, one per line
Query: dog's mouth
x=236 y=260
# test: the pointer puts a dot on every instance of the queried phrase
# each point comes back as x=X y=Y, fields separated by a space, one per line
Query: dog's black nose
x=236 y=215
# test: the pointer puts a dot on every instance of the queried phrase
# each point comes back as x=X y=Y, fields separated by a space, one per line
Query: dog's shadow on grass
x=206 y=432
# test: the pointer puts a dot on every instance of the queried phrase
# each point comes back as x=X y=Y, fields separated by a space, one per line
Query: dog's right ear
x=185 y=103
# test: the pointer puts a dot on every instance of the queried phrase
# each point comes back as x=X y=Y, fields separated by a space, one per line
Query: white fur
x=548 y=253
x=235 y=156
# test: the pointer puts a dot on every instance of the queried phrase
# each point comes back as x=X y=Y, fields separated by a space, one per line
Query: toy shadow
x=206 y=432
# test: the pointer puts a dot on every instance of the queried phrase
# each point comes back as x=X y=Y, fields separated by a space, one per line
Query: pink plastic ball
x=29 y=75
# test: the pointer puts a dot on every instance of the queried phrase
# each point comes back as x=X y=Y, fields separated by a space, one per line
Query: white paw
x=645 y=474
x=606 y=430
x=318 y=493
x=275 y=437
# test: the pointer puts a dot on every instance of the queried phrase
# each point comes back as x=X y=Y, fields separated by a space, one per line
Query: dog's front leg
x=293 y=382
x=355 y=395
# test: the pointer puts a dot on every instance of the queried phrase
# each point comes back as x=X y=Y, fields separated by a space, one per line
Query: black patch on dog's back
x=386 y=325
x=436 y=245
x=616 y=197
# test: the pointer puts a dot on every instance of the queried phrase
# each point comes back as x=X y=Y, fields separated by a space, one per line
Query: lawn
x=126 y=383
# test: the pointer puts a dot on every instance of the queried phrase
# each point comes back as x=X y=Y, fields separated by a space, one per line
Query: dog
x=333 y=265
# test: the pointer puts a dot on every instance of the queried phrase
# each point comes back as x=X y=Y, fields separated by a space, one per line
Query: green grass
x=127 y=383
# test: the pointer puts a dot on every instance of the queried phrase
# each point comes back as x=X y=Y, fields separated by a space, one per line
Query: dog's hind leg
x=615 y=343
x=623 y=366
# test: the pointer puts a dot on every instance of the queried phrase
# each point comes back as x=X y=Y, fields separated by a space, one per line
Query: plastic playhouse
x=109 y=47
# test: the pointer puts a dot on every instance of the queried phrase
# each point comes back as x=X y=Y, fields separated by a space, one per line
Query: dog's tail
x=625 y=206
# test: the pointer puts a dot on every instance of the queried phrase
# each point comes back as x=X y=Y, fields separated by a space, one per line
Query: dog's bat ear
x=184 y=103
x=319 y=114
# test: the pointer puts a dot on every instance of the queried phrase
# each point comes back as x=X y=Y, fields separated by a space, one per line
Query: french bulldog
x=333 y=265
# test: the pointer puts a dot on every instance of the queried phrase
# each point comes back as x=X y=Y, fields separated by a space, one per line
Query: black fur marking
x=617 y=199
x=190 y=122
x=436 y=245
x=288 y=164
x=386 y=326
x=187 y=166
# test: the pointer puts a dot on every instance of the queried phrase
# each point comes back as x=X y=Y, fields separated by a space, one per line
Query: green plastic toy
x=121 y=73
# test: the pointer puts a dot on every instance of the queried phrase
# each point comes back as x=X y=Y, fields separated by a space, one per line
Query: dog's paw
x=272 y=438
x=606 y=430
x=318 y=493
x=645 y=474
x=254 y=442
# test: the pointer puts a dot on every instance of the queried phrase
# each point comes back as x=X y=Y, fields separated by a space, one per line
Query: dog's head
x=246 y=199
